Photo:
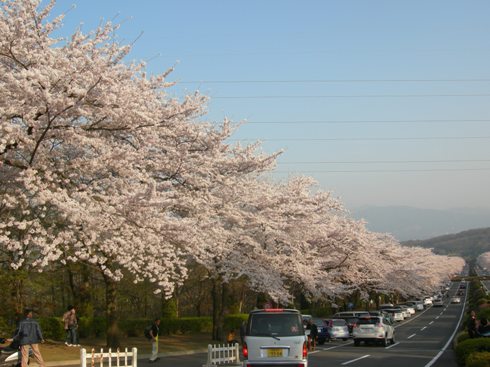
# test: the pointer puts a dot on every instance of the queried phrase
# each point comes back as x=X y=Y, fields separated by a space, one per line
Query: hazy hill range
x=408 y=223
x=468 y=244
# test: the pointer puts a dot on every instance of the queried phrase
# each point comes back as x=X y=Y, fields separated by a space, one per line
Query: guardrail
x=109 y=358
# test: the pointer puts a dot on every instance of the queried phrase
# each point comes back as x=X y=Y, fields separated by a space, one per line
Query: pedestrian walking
x=71 y=327
x=472 y=325
x=154 y=331
x=29 y=335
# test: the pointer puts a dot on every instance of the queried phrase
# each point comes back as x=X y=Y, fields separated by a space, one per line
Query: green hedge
x=478 y=359
x=53 y=327
x=467 y=347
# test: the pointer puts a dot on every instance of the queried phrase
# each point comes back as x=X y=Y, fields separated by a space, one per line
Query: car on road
x=350 y=320
x=409 y=308
x=417 y=305
x=335 y=329
x=395 y=314
x=275 y=337
x=455 y=299
x=437 y=302
x=428 y=301
x=374 y=329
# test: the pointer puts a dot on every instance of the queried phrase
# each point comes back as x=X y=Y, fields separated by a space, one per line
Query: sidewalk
x=76 y=362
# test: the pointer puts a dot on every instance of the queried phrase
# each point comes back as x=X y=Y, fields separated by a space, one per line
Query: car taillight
x=245 y=350
x=305 y=350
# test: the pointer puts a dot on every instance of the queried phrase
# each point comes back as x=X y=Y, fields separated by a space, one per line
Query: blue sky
x=383 y=102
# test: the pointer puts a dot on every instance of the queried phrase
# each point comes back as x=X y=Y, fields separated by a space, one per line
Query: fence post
x=135 y=357
x=83 y=357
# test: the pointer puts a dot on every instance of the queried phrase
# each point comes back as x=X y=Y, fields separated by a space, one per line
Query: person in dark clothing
x=313 y=335
x=29 y=335
x=472 y=325
x=155 y=330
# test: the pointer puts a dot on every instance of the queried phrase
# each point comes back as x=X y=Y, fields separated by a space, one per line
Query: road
x=424 y=340
x=418 y=341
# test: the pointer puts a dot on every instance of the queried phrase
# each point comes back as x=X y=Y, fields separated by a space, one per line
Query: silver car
x=275 y=337
x=337 y=329
x=374 y=329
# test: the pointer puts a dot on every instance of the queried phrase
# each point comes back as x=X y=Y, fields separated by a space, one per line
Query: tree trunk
x=219 y=293
x=112 y=338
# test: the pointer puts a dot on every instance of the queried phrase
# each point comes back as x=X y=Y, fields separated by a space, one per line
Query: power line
x=389 y=170
x=389 y=162
x=370 y=139
x=363 y=121
x=325 y=81
x=351 y=96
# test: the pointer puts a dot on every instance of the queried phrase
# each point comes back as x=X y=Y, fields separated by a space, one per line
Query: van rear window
x=275 y=324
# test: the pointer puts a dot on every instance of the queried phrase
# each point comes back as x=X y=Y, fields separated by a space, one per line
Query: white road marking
x=430 y=323
x=441 y=313
x=411 y=336
x=425 y=327
x=437 y=317
x=391 y=346
x=313 y=352
x=338 y=346
x=452 y=336
x=354 y=360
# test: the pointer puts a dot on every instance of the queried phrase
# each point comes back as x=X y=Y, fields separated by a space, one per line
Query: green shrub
x=92 y=327
x=233 y=322
x=461 y=337
x=478 y=359
x=134 y=327
x=52 y=328
x=465 y=348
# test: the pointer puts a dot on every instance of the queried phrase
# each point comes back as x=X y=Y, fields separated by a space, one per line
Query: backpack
x=147 y=332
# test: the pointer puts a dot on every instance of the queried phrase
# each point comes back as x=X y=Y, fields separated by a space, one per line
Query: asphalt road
x=424 y=340
x=419 y=340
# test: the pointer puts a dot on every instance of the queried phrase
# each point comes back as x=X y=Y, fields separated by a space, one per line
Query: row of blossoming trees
x=99 y=166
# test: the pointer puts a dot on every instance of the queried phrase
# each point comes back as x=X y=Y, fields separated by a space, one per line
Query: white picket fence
x=109 y=358
x=223 y=355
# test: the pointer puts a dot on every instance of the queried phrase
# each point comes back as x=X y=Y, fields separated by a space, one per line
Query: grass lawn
x=56 y=351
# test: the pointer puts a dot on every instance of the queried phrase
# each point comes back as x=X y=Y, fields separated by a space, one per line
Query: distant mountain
x=468 y=244
x=408 y=223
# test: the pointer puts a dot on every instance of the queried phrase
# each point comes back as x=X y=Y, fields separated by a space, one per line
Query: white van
x=275 y=337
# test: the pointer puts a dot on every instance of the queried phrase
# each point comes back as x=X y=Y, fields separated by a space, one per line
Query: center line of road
x=437 y=317
x=392 y=345
x=411 y=336
x=430 y=323
x=354 y=360
x=425 y=327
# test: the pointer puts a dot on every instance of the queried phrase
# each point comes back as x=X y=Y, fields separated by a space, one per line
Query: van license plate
x=274 y=352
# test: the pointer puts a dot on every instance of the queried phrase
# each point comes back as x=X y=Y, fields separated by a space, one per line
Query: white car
x=396 y=315
x=428 y=301
x=409 y=308
x=437 y=302
x=374 y=328
x=275 y=337
x=455 y=300
x=418 y=305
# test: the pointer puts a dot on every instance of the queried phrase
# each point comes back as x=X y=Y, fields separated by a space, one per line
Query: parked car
x=275 y=337
x=428 y=301
x=374 y=329
x=455 y=299
x=351 y=314
x=437 y=302
x=409 y=308
x=396 y=315
x=335 y=329
x=351 y=321
x=418 y=305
